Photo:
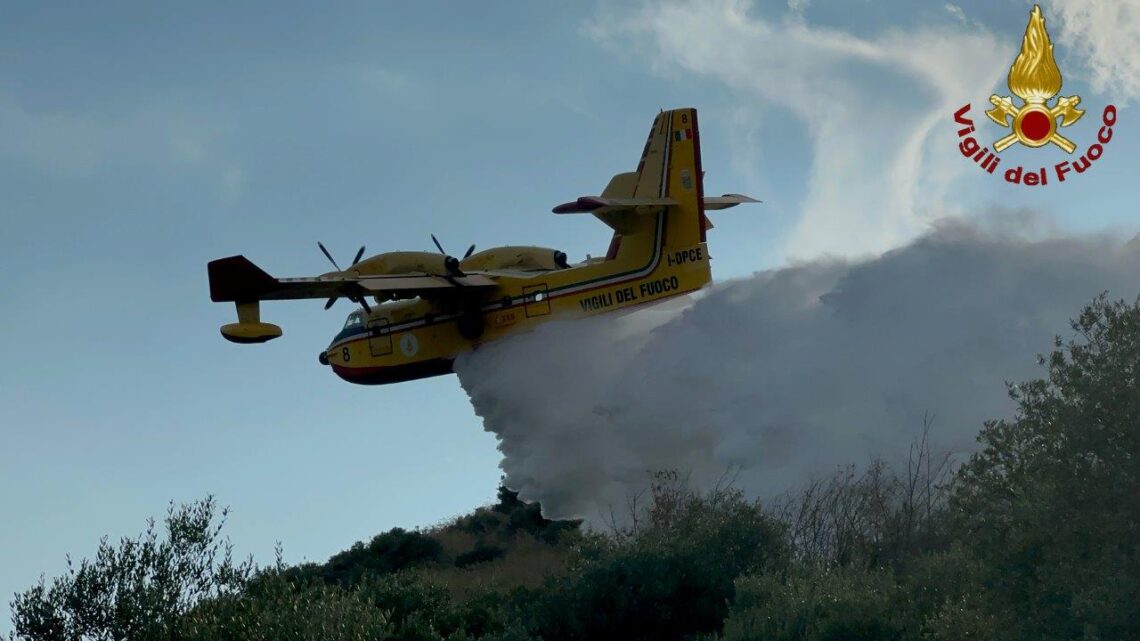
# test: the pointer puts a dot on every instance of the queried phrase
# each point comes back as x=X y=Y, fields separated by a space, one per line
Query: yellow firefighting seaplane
x=429 y=307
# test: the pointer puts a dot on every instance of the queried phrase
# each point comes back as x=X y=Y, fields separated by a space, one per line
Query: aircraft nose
x=323 y=357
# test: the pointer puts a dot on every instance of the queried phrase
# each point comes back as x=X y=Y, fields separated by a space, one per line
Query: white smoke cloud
x=790 y=373
x=957 y=12
x=870 y=105
x=1103 y=35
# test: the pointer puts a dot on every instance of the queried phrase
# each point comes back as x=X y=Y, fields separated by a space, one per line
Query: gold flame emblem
x=1035 y=78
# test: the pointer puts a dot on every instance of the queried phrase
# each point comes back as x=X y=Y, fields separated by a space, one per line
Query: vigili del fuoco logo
x=1035 y=79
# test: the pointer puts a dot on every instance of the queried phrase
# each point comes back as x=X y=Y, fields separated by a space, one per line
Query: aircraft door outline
x=536 y=300
x=379 y=337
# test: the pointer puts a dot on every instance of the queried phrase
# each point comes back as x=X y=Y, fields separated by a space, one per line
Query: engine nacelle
x=515 y=258
x=408 y=262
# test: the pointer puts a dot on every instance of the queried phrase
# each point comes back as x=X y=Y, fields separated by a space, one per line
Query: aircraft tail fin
x=668 y=183
x=681 y=177
x=236 y=278
x=669 y=172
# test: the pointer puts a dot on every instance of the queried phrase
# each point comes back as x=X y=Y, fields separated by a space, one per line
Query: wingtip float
x=430 y=307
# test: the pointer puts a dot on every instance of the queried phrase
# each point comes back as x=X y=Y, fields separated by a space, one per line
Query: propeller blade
x=328 y=256
x=330 y=302
x=359 y=253
x=470 y=250
x=437 y=245
x=364 y=304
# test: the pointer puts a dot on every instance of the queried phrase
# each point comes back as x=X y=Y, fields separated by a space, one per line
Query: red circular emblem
x=1036 y=125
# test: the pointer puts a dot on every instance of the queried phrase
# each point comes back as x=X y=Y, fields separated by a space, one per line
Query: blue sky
x=138 y=141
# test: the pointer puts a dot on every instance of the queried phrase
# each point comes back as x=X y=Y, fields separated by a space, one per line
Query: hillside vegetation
x=1036 y=536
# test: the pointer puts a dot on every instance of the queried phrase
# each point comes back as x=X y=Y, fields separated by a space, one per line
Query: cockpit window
x=354 y=319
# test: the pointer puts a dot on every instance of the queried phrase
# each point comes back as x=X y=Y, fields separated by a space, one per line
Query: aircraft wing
x=236 y=279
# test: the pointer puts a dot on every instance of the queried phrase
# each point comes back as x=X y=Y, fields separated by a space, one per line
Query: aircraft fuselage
x=406 y=340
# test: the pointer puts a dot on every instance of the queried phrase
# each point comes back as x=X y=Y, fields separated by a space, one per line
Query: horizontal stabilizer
x=591 y=204
x=598 y=204
x=727 y=200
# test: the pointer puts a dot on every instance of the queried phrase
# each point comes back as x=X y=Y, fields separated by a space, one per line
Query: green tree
x=273 y=609
x=1050 y=507
x=670 y=577
x=818 y=604
x=140 y=589
x=389 y=552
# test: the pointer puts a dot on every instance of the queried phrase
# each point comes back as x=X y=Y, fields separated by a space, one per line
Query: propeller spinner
x=451 y=262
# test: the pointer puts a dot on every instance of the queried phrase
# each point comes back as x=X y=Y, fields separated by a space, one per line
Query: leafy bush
x=481 y=521
x=394 y=550
x=140 y=589
x=968 y=618
x=938 y=585
x=817 y=604
x=1049 y=505
x=481 y=554
x=272 y=610
x=671 y=579
x=420 y=611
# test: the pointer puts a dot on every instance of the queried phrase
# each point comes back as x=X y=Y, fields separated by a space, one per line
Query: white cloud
x=874 y=183
x=956 y=11
x=1103 y=35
